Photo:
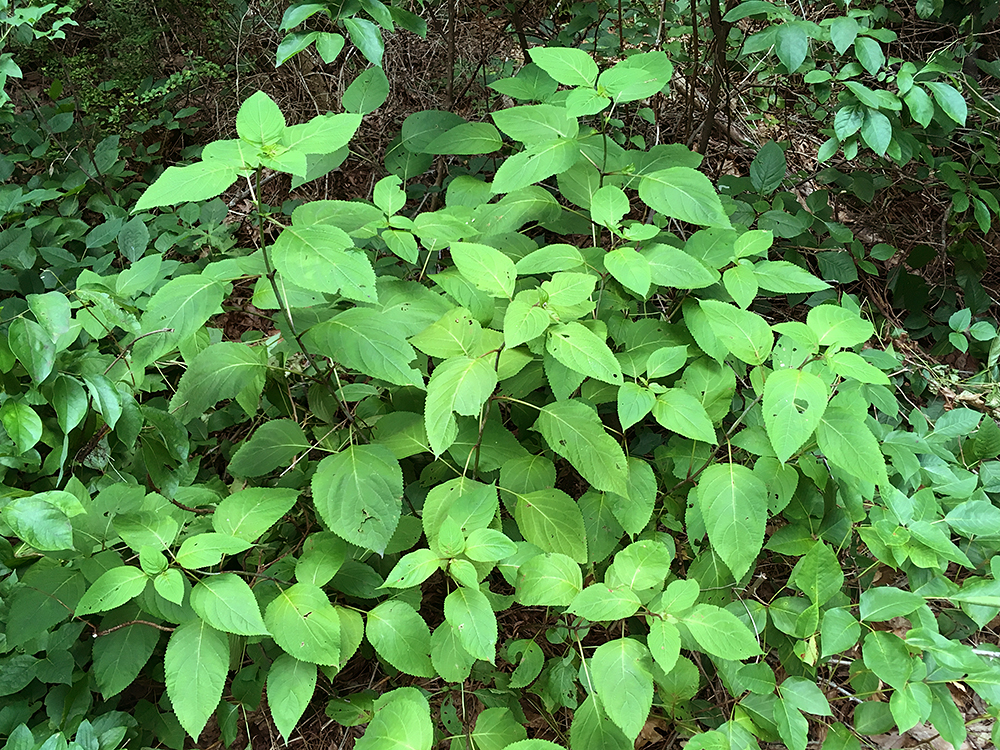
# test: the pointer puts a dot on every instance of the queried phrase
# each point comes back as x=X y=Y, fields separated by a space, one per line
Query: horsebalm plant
x=604 y=427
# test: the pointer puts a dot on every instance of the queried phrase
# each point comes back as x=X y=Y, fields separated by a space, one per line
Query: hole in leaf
x=800 y=405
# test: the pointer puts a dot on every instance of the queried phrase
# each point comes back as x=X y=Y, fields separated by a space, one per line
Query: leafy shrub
x=607 y=425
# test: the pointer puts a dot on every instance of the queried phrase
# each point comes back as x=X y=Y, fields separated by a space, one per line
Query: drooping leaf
x=488 y=269
x=195 y=182
x=747 y=335
x=195 y=664
x=458 y=385
x=574 y=431
x=733 y=504
x=290 y=687
x=469 y=612
x=622 y=673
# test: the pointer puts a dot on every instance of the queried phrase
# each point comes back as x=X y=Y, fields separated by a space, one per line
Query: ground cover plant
x=574 y=447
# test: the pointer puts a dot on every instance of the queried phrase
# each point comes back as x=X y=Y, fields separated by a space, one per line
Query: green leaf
x=592 y=730
x=839 y=327
x=786 y=278
x=548 y=580
x=733 y=504
x=323 y=555
x=608 y=205
x=848 y=444
x=69 y=399
x=629 y=267
x=817 y=574
x=367 y=38
x=574 y=431
x=488 y=545
x=920 y=105
x=358 y=493
x=448 y=656
x=274 y=444
x=843 y=32
x=767 y=170
x=324 y=135
x=535 y=164
x=673 y=267
x=524 y=320
x=121 y=654
x=679 y=411
x=571 y=67
x=467 y=139
x=882 y=603
x=886 y=655
x=290 y=686
x=950 y=100
x=183 y=305
x=33 y=348
x=259 y=120
x=402 y=721
x=641 y=565
x=634 y=403
x=566 y=288
x=551 y=520
x=791 y=44
x=869 y=53
x=205 y=550
x=195 y=182
x=548 y=259
x=112 y=589
x=536 y=123
x=793 y=727
x=226 y=603
x=367 y=92
x=636 y=77
x=530 y=666
x=747 y=335
x=839 y=631
x=195 y=665
x=622 y=675
x=363 y=339
x=488 y=269
x=304 y=623
x=292 y=44
x=847 y=364
x=876 y=131
x=219 y=372
x=413 y=569
x=601 y=602
x=720 y=633
x=741 y=284
x=318 y=258
x=496 y=729
x=22 y=424
x=683 y=193
x=664 y=641
x=401 y=637
x=249 y=513
x=133 y=239
x=582 y=350
x=793 y=405
x=469 y=612
x=459 y=384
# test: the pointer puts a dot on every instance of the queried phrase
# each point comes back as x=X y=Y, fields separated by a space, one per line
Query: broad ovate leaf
x=794 y=402
x=358 y=493
x=733 y=504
